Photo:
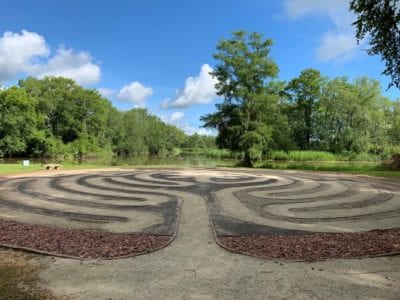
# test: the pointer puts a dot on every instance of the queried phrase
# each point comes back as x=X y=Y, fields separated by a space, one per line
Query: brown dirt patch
x=19 y=277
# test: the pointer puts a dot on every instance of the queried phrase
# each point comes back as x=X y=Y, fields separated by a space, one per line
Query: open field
x=200 y=210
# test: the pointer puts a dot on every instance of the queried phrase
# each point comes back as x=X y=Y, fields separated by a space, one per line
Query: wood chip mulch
x=318 y=246
x=77 y=243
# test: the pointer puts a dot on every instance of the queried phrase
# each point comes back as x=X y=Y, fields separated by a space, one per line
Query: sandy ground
x=195 y=267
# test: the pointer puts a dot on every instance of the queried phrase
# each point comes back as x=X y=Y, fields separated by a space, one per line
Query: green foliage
x=54 y=116
x=309 y=118
x=144 y=134
x=330 y=118
x=379 y=20
x=199 y=141
x=351 y=116
x=17 y=121
x=303 y=95
x=245 y=119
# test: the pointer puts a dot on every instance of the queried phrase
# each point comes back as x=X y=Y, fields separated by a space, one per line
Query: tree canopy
x=54 y=116
x=259 y=114
x=379 y=20
x=245 y=72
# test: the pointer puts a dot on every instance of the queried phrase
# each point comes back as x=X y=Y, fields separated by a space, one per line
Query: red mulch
x=318 y=246
x=77 y=243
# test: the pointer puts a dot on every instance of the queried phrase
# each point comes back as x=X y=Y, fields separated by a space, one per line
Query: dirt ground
x=195 y=267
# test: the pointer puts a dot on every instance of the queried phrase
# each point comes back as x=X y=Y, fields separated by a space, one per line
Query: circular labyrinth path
x=269 y=214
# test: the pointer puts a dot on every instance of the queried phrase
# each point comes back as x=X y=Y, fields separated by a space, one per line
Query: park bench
x=52 y=166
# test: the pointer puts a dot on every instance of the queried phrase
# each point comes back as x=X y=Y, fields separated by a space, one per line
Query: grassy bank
x=18 y=168
x=361 y=163
x=365 y=168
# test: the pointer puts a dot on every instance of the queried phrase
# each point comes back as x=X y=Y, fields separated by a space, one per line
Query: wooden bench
x=52 y=166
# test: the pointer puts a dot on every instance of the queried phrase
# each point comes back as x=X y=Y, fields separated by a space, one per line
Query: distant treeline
x=56 y=117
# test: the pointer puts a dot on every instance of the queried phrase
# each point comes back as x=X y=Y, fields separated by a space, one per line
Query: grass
x=14 y=169
x=322 y=156
x=361 y=168
x=294 y=160
x=19 y=278
x=9 y=169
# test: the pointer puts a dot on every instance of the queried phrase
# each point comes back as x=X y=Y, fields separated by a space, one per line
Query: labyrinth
x=268 y=214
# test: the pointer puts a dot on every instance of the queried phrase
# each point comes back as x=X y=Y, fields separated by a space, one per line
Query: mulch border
x=288 y=255
x=54 y=254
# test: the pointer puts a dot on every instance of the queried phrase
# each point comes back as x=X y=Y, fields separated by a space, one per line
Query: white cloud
x=177 y=116
x=339 y=43
x=337 y=47
x=70 y=64
x=189 y=130
x=105 y=92
x=17 y=52
x=299 y=8
x=197 y=90
x=28 y=53
x=135 y=92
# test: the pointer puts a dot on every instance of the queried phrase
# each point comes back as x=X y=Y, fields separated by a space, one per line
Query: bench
x=52 y=166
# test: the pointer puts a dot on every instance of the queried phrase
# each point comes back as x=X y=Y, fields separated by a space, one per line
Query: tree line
x=56 y=117
x=259 y=113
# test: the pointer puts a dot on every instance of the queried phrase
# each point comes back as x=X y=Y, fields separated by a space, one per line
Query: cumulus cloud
x=197 y=90
x=28 y=53
x=70 y=64
x=339 y=43
x=135 y=92
x=17 y=52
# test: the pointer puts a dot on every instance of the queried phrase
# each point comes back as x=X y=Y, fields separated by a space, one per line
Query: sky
x=158 y=54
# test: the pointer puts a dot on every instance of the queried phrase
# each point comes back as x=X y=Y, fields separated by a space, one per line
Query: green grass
x=365 y=168
x=9 y=169
x=295 y=160
x=322 y=156
x=14 y=169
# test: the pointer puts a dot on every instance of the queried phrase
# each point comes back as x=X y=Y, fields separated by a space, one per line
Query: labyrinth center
x=117 y=214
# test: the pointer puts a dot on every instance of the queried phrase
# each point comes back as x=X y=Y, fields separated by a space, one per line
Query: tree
x=351 y=116
x=245 y=119
x=379 y=20
x=17 y=121
x=303 y=94
x=72 y=115
x=145 y=134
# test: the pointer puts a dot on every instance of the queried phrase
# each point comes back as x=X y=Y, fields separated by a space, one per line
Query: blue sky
x=157 y=54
